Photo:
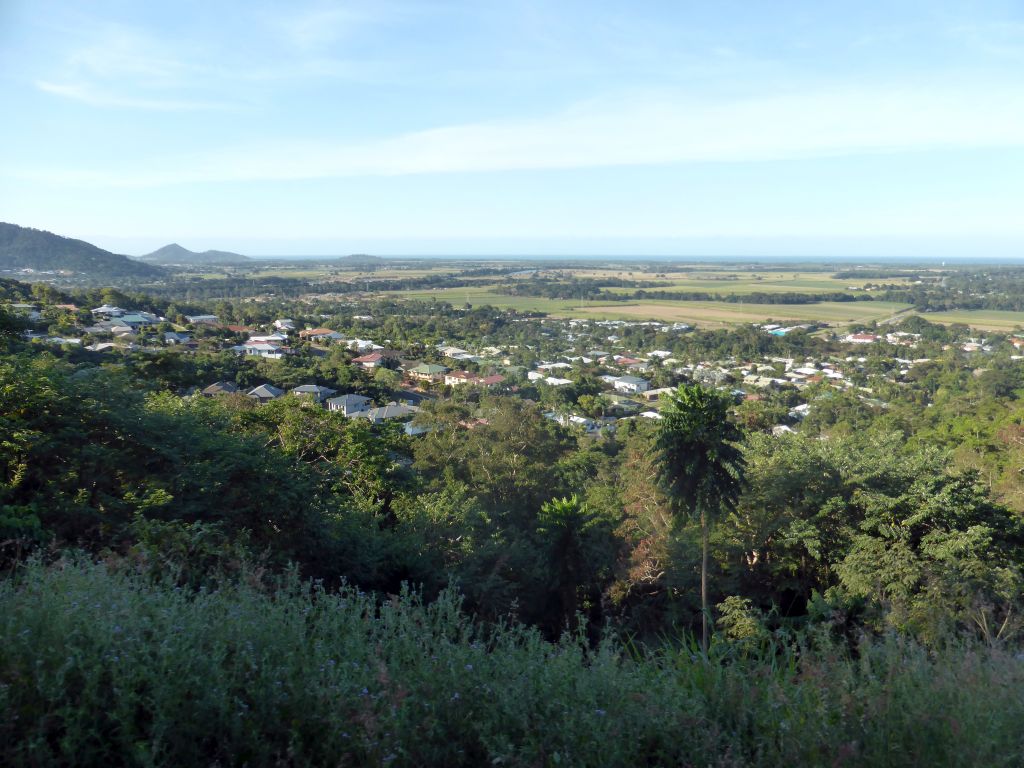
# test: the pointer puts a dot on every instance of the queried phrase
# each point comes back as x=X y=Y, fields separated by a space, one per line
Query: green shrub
x=100 y=666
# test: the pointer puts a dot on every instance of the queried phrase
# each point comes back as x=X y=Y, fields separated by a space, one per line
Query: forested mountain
x=177 y=254
x=25 y=248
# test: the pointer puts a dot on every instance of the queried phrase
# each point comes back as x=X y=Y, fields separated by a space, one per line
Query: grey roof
x=221 y=387
x=267 y=391
x=345 y=400
x=631 y=380
x=313 y=389
x=389 y=411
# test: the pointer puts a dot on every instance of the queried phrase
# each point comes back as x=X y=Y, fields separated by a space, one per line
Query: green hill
x=23 y=248
x=176 y=254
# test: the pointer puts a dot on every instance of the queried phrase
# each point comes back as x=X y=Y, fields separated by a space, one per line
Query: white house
x=262 y=349
x=202 y=319
x=349 y=405
x=631 y=385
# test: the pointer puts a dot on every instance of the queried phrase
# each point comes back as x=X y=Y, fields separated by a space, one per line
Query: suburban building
x=631 y=384
x=387 y=413
x=264 y=393
x=370 y=361
x=455 y=378
x=314 y=391
x=262 y=349
x=349 y=405
x=220 y=388
x=427 y=372
x=320 y=334
x=861 y=338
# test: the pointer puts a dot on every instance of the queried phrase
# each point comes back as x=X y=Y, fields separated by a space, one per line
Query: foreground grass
x=104 y=668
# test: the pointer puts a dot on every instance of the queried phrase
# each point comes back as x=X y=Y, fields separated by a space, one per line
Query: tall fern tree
x=701 y=464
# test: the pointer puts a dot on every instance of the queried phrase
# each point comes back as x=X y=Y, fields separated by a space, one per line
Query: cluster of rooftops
x=349 y=405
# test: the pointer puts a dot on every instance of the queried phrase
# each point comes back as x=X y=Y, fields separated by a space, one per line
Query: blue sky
x=668 y=128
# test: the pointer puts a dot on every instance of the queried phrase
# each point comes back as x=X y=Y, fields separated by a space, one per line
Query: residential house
x=320 y=334
x=220 y=388
x=349 y=405
x=136 y=319
x=363 y=345
x=455 y=378
x=202 y=319
x=571 y=420
x=262 y=349
x=264 y=393
x=631 y=385
x=272 y=338
x=370 y=361
x=314 y=391
x=108 y=310
x=387 y=413
x=861 y=338
x=427 y=372
x=653 y=395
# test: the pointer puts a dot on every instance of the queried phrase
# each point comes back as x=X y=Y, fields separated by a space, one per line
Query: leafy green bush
x=101 y=666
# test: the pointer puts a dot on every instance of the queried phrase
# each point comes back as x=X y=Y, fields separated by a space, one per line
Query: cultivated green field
x=703 y=313
x=720 y=313
x=768 y=283
x=984 y=319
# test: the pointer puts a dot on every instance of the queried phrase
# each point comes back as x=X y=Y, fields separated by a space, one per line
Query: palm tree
x=701 y=464
x=565 y=526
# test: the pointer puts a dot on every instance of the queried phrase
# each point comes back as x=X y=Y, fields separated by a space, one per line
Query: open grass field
x=722 y=314
x=983 y=319
x=738 y=282
x=701 y=313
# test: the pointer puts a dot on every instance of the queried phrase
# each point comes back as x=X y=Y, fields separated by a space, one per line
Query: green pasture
x=706 y=313
x=768 y=283
x=983 y=319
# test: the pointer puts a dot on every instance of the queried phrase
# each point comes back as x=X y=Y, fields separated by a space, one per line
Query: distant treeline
x=880 y=274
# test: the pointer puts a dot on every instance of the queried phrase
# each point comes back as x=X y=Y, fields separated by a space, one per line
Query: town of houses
x=626 y=375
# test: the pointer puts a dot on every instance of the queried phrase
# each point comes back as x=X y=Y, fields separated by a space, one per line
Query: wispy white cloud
x=121 y=66
x=92 y=96
x=645 y=130
x=317 y=27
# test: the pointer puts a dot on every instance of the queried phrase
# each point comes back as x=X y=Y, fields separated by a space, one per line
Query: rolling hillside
x=176 y=254
x=23 y=248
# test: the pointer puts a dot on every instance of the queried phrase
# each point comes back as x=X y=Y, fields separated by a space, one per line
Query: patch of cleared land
x=739 y=282
x=720 y=313
x=984 y=319
x=704 y=313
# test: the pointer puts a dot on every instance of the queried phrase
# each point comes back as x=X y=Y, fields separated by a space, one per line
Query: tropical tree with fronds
x=567 y=530
x=701 y=464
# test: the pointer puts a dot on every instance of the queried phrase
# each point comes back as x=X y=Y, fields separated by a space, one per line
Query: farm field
x=703 y=313
x=721 y=314
x=739 y=282
x=983 y=319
